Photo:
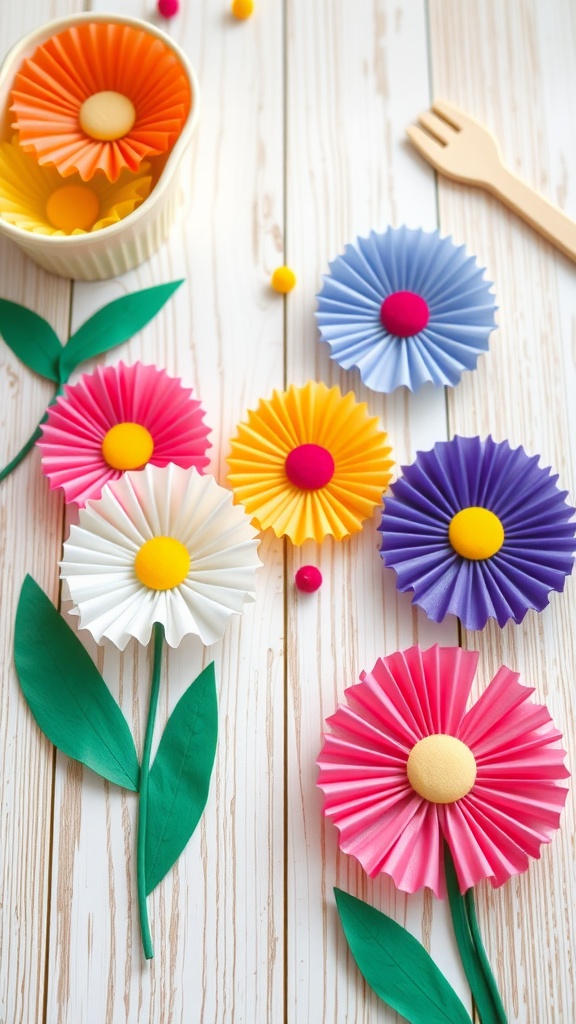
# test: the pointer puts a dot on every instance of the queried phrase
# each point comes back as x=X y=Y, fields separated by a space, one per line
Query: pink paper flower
x=406 y=767
x=116 y=419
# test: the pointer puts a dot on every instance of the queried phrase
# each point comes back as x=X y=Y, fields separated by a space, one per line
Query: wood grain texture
x=300 y=148
x=349 y=171
x=30 y=537
x=217 y=918
x=522 y=391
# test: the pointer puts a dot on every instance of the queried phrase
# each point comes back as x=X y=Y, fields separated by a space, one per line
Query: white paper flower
x=161 y=545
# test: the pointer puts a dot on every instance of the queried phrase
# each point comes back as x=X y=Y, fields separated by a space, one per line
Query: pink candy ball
x=308 y=578
x=168 y=8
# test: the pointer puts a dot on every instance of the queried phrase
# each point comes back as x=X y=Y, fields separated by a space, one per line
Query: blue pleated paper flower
x=406 y=307
x=477 y=529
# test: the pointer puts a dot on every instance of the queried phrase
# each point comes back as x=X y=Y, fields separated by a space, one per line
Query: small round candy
x=283 y=279
x=308 y=578
x=242 y=9
x=168 y=8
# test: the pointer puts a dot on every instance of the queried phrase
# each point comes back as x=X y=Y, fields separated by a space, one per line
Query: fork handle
x=537 y=211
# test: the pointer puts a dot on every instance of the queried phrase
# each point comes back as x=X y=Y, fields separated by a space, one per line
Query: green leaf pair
x=76 y=711
x=36 y=344
x=397 y=967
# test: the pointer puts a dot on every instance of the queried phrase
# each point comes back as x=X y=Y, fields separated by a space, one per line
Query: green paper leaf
x=114 y=324
x=180 y=776
x=397 y=966
x=31 y=339
x=66 y=693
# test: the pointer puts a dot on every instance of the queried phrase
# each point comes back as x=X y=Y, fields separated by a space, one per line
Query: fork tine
x=427 y=147
x=452 y=114
x=436 y=126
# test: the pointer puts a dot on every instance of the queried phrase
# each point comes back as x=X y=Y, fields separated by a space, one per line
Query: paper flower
x=163 y=545
x=37 y=346
x=406 y=307
x=406 y=766
x=310 y=462
x=477 y=529
x=100 y=97
x=116 y=419
x=36 y=199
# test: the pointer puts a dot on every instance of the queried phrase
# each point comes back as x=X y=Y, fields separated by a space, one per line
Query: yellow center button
x=127 y=446
x=476 y=533
x=162 y=563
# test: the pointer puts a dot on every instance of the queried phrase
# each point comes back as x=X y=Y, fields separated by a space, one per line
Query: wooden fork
x=463 y=149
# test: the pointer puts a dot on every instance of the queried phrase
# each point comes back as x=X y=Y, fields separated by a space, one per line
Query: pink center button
x=309 y=467
x=404 y=314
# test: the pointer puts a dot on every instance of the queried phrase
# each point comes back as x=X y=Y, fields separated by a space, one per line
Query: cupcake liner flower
x=116 y=419
x=100 y=97
x=405 y=767
x=165 y=545
x=310 y=463
x=36 y=199
x=406 y=307
x=475 y=528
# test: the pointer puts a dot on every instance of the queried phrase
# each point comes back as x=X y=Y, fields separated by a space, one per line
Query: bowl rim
x=39 y=35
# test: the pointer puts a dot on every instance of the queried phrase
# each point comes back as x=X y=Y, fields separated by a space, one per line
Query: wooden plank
x=217 y=919
x=349 y=99
x=511 y=66
x=30 y=519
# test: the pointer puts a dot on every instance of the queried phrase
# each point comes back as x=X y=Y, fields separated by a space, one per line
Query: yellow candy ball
x=283 y=279
x=242 y=9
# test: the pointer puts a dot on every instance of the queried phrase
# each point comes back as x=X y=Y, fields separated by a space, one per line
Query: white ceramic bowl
x=124 y=245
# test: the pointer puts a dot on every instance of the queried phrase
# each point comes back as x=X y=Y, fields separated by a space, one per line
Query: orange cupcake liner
x=80 y=62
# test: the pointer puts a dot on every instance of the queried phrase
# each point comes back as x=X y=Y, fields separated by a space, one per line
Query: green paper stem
x=180 y=776
x=476 y=965
x=30 y=442
x=143 y=797
x=482 y=955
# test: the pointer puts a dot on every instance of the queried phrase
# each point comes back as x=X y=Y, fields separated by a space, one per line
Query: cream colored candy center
x=107 y=116
x=441 y=769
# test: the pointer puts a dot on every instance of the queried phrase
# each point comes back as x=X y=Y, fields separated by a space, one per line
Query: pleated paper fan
x=406 y=307
x=477 y=529
x=36 y=199
x=116 y=419
x=405 y=766
x=100 y=96
x=310 y=463
x=162 y=545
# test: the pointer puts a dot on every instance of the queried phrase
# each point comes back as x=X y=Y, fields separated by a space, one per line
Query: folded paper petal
x=78 y=422
x=91 y=58
x=512 y=807
x=26 y=188
x=400 y=262
x=302 y=419
x=99 y=557
x=539 y=532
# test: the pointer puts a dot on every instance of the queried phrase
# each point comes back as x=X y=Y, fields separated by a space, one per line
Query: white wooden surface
x=300 y=147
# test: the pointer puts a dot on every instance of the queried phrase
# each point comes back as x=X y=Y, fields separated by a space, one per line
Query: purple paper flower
x=475 y=528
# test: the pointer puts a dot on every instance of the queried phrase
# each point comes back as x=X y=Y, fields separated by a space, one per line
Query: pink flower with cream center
x=406 y=767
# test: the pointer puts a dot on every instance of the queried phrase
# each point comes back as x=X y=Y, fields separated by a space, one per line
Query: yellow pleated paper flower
x=39 y=200
x=309 y=463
